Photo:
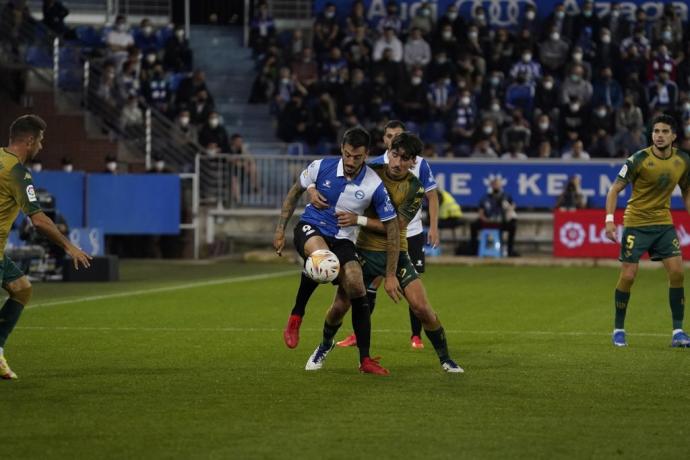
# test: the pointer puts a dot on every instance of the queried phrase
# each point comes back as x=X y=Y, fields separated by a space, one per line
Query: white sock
x=618 y=330
x=675 y=331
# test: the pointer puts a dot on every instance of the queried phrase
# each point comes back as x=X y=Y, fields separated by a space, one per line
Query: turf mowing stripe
x=239 y=279
x=259 y=329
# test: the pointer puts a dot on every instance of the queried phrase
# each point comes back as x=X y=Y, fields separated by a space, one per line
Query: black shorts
x=415 y=248
x=343 y=249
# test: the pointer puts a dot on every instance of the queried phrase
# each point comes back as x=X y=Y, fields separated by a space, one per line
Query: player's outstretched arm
x=391 y=284
x=48 y=228
x=286 y=212
x=611 y=200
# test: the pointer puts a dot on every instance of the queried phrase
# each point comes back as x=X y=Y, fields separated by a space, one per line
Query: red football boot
x=291 y=332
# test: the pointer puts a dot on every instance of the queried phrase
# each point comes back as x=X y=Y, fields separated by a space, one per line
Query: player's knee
x=628 y=277
x=22 y=294
x=676 y=277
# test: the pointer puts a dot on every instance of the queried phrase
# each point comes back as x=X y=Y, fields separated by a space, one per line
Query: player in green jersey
x=406 y=192
x=17 y=192
x=654 y=173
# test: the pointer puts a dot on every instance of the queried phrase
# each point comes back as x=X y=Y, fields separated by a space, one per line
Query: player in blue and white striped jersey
x=347 y=185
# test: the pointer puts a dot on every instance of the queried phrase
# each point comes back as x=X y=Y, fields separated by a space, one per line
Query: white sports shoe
x=451 y=367
x=5 y=371
x=318 y=357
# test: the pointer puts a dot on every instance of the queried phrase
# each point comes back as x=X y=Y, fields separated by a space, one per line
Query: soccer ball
x=322 y=266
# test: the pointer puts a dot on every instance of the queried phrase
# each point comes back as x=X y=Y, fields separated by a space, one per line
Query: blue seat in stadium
x=89 y=37
x=163 y=34
x=490 y=244
x=296 y=149
x=434 y=132
x=39 y=57
x=323 y=148
x=412 y=127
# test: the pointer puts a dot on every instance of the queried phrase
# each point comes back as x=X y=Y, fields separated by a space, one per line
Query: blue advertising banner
x=502 y=13
x=68 y=190
x=90 y=240
x=134 y=204
x=535 y=184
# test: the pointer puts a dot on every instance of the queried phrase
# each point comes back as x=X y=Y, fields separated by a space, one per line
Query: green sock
x=9 y=315
x=621 y=303
x=676 y=297
x=328 y=333
x=438 y=340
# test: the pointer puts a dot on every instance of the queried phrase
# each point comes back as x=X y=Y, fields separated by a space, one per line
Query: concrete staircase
x=230 y=72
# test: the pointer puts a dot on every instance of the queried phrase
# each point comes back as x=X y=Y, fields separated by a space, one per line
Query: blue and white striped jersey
x=342 y=195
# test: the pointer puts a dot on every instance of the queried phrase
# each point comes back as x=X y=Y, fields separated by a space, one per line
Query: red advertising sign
x=583 y=234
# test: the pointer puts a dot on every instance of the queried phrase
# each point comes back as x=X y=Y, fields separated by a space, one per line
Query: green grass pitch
x=201 y=371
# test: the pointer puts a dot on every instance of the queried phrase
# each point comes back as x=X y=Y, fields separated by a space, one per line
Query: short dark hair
x=357 y=137
x=394 y=124
x=409 y=143
x=26 y=125
x=665 y=119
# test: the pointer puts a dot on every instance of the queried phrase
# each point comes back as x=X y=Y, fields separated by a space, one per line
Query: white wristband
x=362 y=221
x=609 y=218
x=311 y=186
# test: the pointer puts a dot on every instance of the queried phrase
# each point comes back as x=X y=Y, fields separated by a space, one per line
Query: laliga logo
x=572 y=235
x=500 y=12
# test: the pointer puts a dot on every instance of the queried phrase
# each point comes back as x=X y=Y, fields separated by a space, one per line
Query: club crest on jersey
x=327 y=183
x=31 y=193
x=359 y=195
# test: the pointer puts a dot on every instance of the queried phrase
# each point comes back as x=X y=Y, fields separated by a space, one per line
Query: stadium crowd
x=572 y=86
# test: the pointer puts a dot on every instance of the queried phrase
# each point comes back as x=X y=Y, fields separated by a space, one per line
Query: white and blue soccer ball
x=322 y=266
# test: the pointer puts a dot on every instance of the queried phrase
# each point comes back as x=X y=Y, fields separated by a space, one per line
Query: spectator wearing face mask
x=662 y=61
x=607 y=91
x=145 y=37
x=200 y=107
x=110 y=165
x=543 y=132
x=529 y=20
x=520 y=95
x=118 y=40
x=388 y=41
x=262 y=30
x=66 y=165
x=662 y=94
x=440 y=97
x=461 y=122
x=572 y=196
x=573 y=119
x=493 y=87
x=36 y=165
x=178 y=56
x=189 y=88
x=213 y=132
x=518 y=131
x=452 y=18
x=546 y=98
x=585 y=25
x=184 y=128
x=156 y=89
x=413 y=102
x=668 y=29
x=639 y=41
x=616 y=24
x=559 y=21
x=553 y=52
x=446 y=41
x=391 y=19
x=500 y=51
x=422 y=19
x=602 y=129
x=607 y=52
x=575 y=86
x=527 y=66
x=158 y=166
x=417 y=51
x=494 y=111
x=577 y=59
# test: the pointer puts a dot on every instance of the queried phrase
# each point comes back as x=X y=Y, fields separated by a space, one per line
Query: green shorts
x=9 y=270
x=374 y=265
x=660 y=241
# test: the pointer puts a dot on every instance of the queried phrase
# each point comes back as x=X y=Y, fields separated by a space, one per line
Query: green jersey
x=406 y=195
x=16 y=192
x=653 y=180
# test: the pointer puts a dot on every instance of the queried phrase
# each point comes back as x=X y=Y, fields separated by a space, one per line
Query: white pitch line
x=272 y=330
x=179 y=287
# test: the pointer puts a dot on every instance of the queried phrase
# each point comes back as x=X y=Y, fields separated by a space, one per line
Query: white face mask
x=488 y=129
x=179 y=34
x=473 y=35
x=606 y=39
x=480 y=17
x=416 y=80
x=465 y=100
x=544 y=126
x=184 y=121
x=37 y=167
x=211 y=152
x=574 y=107
x=160 y=165
x=526 y=57
x=530 y=15
x=447 y=34
x=555 y=36
x=452 y=15
x=601 y=113
x=615 y=13
x=148 y=30
x=495 y=107
x=548 y=85
x=577 y=57
x=67 y=168
x=213 y=122
x=686 y=106
x=560 y=14
x=111 y=166
x=150 y=58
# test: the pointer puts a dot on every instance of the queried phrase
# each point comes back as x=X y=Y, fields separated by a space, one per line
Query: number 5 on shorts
x=630 y=241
